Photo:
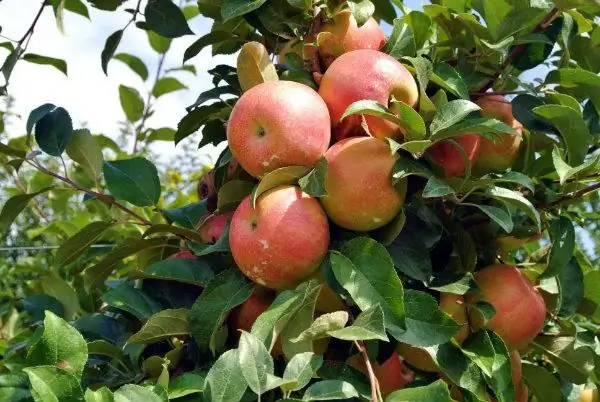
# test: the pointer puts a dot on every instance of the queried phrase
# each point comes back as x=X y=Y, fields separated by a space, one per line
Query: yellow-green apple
x=366 y=75
x=589 y=395
x=446 y=154
x=454 y=306
x=211 y=228
x=498 y=154
x=277 y=124
x=392 y=374
x=360 y=194
x=520 y=308
x=282 y=241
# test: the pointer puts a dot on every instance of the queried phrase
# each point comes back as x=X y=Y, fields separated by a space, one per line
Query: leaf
x=255 y=361
x=411 y=125
x=84 y=149
x=368 y=325
x=423 y=70
x=236 y=8
x=437 y=188
x=110 y=47
x=166 y=19
x=361 y=10
x=225 y=291
x=566 y=172
x=270 y=323
x=461 y=370
x=163 y=325
x=127 y=298
x=37 y=304
x=411 y=257
x=134 y=63
x=301 y=368
x=100 y=395
x=9 y=63
x=195 y=272
x=542 y=384
x=279 y=177
x=104 y=348
x=451 y=113
x=498 y=215
x=572 y=128
x=523 y=106
x=131 y=103
x=479 y=348
x=134 y=393
x=322 y=325
x=186 y=384
x=167 y=85
x=451 y=79
x=211 y=38
x=53 y=285
x=232 y=193
x=133 y=180
x=210 y=94
x=313 y=183
x=59 y=64
x=434 y=392
x=14 y=206
x=573 y=364
x=53 y=132
x=60 y=345
x=402 y=40
x=161 y=134
x=221 y=246
x=326 y=390
x=516 y=199
x=75 y=245
x=253 y=63
x=571 y=286
x=562 y=234
x=50 y=383
x=36 y=114
x=225 y=380
x=159 y=43
x=188 y=234
x=187 y=216
x=478 y=125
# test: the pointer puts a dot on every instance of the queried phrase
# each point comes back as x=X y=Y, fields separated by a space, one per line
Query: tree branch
x=33 y=24
x=313 y=62
x=571 y=196
x=375 y=392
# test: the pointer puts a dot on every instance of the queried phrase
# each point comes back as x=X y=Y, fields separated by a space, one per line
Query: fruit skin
x=589 y=395
x=360 y=195
x=499 y=154
x=392 y=374
x=211 y=228
x=276 y=124
x=449 y=158
x=520 y=308
x=283 y=241
x=366 y=74
x=244 y=315
x=184 y=254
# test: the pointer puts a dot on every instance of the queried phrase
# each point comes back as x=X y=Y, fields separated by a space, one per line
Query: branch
x=545 y=23
x=313 y=62
x=571 y=196
x=101 y=196
x=374 y=382
x=33 y=24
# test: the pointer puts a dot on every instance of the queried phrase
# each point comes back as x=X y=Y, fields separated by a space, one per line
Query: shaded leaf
x=163 y=325
x=133 y=180
x=166 y=19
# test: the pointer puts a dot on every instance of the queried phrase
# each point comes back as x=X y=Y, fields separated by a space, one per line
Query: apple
x=520 y=308
x=183 y=254
x=277 y=124
x=206 y=185
x=449 y=157
x=366 y=75
x=211 y=228
x=244 y=315
x=360 y=195
x=498 y=154
x=392 y=374
x=283 y=241
x=589 y=395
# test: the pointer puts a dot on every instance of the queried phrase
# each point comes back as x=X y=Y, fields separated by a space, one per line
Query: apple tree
x=404 y=208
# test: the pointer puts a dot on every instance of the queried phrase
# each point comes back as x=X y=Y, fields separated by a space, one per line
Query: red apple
x=366 y=74
x=360 y=195
x=184 y=254
x=211 y=228
x=282 y=241
x=392 y=374
x=277 y=124
x=449 y=157
x=244 y=315
x=520 y=308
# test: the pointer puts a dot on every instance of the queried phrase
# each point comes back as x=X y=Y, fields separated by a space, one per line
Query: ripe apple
x=211 y=228
x=498 y=154
x=366 y=74
x=282 y=241
x=244 y=315
x=520 y=308
x=360 y=195
x=589 y=395
x=448 y=156
x=276 y=124
x=392 y=374
x=184 y=254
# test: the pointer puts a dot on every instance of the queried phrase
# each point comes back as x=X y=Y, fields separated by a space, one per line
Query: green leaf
x=211 y=38
x=573 y=364
x=133 y=180
x=516 y=199
x=461 y=370
x=187 y=216
x=53 y=285
x=437 y=188
x=542 y=384
x=451 y=80
x=591 y=283
x=327 y=390
x=166 y=19
x=163 y=325
x=110 y=47
x=221 y=246
x=255 y=361
x=368 y=325
x=37 y=304
x=161 y=134
x=232 y=193
x=14 y=206
x=401 y=41
x=50 y=383
x=59 y=64
x=135 y=393
x=186 y=384
x=60 y=345
x=132 y=300
x=412 y=125
x=131 y=103
x=423 y=70
x=452 y=113
x=313 y=183
x=159 y=43
x=195 y=272
x=188 y=234
x=236 y=8
x=100 y=395
x=478 y=125
x=53 y=132
x=278 y=177
x=224 y=292
x=270 y=323
x=75 y=245
x=254 y=66
x=210 y=94
x=84 y=149
x=571 y=286
x=167 y=85
x=225 y=381
x=38 y=113
x=566 y=172
x=523 y=106
x=479 y=348
x=362 y=10
x=104 y=348
x=562 y=234
x=434 y=392
x=322 y=325
x=300 y=369
x=134 y=63
x=9 y=63
x=572 y=128
x=498 y=215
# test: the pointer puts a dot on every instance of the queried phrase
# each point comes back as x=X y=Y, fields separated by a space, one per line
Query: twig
x=375 y=392
x=36 y=205
x=101 y=196
x=135 y=13
x=545 y=23
x=571 y=196
x=313 y=62
x=33 y=24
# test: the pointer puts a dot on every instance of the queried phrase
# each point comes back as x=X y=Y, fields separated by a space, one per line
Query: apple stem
x=375 y=391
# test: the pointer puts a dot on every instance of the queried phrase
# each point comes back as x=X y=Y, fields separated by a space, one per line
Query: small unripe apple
x=360 y=194
x=392 y=374
x=449 y=157
x=277 y=124
x=212 y=227
x=520 y=308
x=366 y=75
x=281 y=242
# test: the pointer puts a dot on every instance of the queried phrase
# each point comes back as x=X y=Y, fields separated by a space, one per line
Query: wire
x=35 y=248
